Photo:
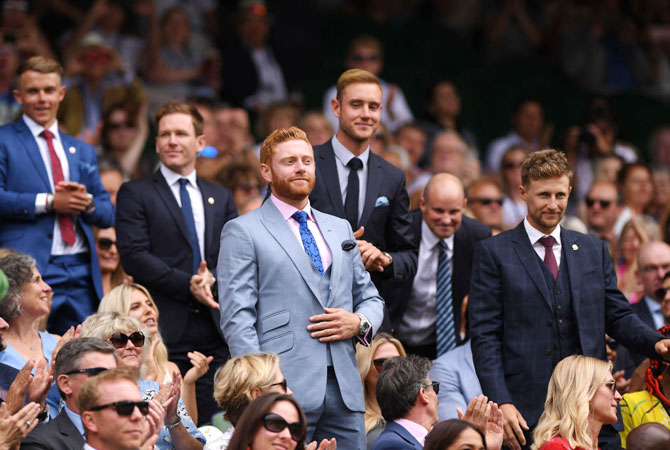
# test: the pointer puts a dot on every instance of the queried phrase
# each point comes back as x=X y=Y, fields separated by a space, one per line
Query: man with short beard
x=295 y=284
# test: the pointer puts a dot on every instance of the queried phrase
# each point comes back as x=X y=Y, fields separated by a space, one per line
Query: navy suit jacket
x=58 y=434
x=511 y=314
x=468 y=234
x=395 y=437
x=23 y=176
x=155 y=248
x=385 y=212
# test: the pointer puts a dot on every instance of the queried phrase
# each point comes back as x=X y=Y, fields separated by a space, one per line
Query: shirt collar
x=535 y=235
x=417 y=431
x=75 y=419
x=287 y=210
x=173 y=177
x=653 y=305
x=343 y=154
x=35 y=128
x=430 y=239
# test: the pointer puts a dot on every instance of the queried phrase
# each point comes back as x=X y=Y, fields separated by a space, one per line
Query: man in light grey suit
x=291 y=281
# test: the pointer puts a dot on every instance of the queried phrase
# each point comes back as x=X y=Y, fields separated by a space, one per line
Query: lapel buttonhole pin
x=210 y=200
x=72 y=150
x=575 y=247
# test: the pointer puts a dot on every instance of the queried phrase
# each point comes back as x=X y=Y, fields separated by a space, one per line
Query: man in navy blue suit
x=540 y=293
x=355 y=184
x=51 y=195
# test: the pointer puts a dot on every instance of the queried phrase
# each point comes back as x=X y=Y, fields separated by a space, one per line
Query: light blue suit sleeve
x=237 y=275
x=365 y=295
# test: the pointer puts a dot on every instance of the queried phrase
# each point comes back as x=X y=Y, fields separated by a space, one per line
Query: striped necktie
x=444 y=326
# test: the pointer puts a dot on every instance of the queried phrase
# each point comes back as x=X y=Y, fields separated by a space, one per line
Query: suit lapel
x=67 y=428
x=170 y=203
x=72 y=153
x=528 y=259
x=568 y=240
x=375 y=178
x=334 y=244
x=208 y=205
x=25 y=137
x=327 y=169
x=275 y=224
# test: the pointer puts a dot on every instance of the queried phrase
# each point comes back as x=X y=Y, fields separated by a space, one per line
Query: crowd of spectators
x=113 y=321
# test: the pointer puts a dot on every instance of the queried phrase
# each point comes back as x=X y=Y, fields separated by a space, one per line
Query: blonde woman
x=581 y=398
x=135 y=300
x=370 y=361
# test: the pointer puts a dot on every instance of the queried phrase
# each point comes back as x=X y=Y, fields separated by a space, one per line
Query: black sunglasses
x=105 y=243
x=660 y=293
x=379 y=363
x=435 y=385
x=119 y=340
x=276 y=424
x=611 y=343
x=92 y=371
x=125 y=407
x=487 y=201
x=603 y=203
x=283 y=383
x=612 y=385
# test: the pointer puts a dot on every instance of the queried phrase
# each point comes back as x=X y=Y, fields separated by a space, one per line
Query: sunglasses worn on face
x=283 y=383
x=276 y=424
x=119 y=340
x=379 y=363
x=487 y=201
x=105 y=243
x=435 y=385
x=125 y=407
x=660 y=293
x=113 y=126
x=512 y=165
x=604 y=204
x=92 y=371
x=612 y=385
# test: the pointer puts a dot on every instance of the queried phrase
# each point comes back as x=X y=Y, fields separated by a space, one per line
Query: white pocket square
x=381 y=201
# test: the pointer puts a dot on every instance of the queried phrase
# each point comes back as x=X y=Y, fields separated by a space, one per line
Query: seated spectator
x=234 y=131
x=10 y=109
x=111 y=177
x=412 y=138
x=78 y=360
x=113 y=412
x=275 y=116
x=514 y=207
x=250 y=203
x=485 y=202
x=124 y=132
x=607 y=168
x=135 y=301
x=29 y=295
x=408 y=401
x=127 y=336
x=242 y=179
x=111 y=270
x=370 y=360
x=272 y=420
x=316 y=127
x=397 y=156
x=660 y=204
x=581 y=398
x=637 y=191
x=659 y=147
x=602 y=209
x=649 y=436
x=632 y=238
x=455 y=434
x=239 y=382
x=527 y=133
x=365 y=52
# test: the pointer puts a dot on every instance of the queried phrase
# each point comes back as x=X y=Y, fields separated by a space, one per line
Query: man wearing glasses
x=77 y=361
x=602 y=210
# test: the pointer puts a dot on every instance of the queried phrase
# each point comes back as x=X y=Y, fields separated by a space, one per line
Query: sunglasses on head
x=91 y=371
x=484 y=201
x=125 y=407
x=379 y=363
x=105 y=243
x=283 y=384
x=119 y=340
x=660 y=293
x=603 y=203
x=276 y=424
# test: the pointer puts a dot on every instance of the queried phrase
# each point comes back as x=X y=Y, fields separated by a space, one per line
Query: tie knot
x=300 y=217
x=355 y=164
x=547 y=241
x=442 y=245
x=183 y=182
x=46 y=134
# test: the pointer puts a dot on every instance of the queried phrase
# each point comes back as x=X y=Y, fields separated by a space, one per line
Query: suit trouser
x=334 y=420
x=74 y=295
x=203 y=336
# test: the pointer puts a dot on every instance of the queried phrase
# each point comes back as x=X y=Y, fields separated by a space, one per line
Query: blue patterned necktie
x=444 y=326
x=308 y=240
x=190 y=222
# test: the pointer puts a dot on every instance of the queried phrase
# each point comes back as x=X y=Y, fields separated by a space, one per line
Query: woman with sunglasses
x=135 y=301
x=651 y=404
x=370 y=360
x=271 y=421
x=581 y=398
x=127 y=335
x=108 y=257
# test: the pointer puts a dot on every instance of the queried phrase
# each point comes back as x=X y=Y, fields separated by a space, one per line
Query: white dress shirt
x=417 y=326
x=58 y=245
x=535 y=235
x=172 y=178
x=342 y=158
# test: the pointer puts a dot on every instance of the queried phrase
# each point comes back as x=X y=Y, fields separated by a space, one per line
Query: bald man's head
x=653 y=262
x=649 y=436
x=443 y=204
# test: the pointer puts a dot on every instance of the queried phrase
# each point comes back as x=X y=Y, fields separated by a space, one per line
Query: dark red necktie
x=65 y=221
x=549 y=258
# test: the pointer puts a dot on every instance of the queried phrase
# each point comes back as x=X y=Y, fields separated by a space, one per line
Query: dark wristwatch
x=44 y=414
